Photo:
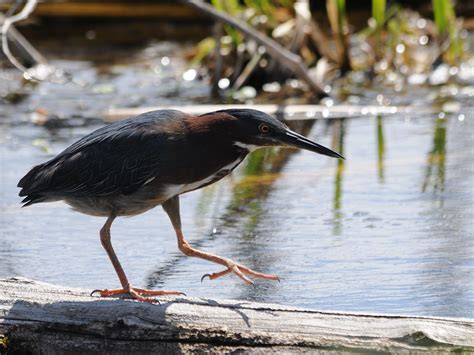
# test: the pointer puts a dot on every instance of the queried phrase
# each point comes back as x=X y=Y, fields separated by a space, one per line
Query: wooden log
x=169 y=11
x=41 y=318
x=289 y=112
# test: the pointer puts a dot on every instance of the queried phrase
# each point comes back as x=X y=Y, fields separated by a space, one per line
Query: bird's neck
x=247 y=148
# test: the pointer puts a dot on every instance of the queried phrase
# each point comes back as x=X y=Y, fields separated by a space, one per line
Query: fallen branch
x=7 y=23
x=42 y=318
x=28 y=52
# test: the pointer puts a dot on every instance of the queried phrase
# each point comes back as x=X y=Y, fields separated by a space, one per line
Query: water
x=388 y=230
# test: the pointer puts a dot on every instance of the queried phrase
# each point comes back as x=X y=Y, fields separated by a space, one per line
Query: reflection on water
x=338 y=145
x=357 y=234
x=389 y=229
x=436 y=159
x=380 y=148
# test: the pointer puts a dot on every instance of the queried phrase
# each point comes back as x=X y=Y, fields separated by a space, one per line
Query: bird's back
x=113 y=159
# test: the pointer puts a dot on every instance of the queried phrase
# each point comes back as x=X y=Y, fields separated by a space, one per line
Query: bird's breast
x=175 y=189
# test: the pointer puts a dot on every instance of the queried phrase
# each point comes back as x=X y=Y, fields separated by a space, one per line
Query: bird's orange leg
x=172 y=209
x=231 y=266
x=136 y=293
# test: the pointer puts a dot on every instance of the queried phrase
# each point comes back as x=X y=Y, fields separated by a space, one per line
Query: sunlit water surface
x=390 y=229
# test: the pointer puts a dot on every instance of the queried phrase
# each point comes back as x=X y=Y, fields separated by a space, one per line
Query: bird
x=129 y=167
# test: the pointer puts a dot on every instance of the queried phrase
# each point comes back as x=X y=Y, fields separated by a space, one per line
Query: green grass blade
x=378 y=12
x=341 y=9
x=440 y=15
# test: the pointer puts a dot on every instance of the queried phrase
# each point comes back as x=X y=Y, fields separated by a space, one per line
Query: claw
x=204 y=276
x=95 y=291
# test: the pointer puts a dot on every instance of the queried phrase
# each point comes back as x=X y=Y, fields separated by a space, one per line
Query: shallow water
x=390 y=229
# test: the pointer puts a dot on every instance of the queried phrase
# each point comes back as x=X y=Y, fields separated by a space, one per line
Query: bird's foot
x=241 y=271
x=136 y=293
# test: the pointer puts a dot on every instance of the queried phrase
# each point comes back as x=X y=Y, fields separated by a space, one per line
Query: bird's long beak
x=295 y=140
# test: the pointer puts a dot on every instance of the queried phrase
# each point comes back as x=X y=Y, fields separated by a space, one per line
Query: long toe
x=136 y=293
x=241 y=271
x=256 y=274
x=109 y=293
x=138 y=297
x=145 y=292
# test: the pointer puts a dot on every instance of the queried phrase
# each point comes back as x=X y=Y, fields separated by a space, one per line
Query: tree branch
x=7 y=23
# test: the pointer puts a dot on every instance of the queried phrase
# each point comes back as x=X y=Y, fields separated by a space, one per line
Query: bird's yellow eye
x=263 y=128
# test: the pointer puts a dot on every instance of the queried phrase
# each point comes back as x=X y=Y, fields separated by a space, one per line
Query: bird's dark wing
x=116 y=159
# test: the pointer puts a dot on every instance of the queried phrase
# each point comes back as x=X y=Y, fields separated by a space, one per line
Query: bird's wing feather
x=87 y=173
x=114 y=159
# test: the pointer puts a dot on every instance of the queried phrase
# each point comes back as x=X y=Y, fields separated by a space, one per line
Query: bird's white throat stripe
x=249 y=147
x=173 y=190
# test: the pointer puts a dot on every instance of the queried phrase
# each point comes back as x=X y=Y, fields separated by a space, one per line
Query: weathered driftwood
x=289 y=112
x=41 y=318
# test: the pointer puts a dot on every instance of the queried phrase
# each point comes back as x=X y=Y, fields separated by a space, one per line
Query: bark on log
x=42 y=318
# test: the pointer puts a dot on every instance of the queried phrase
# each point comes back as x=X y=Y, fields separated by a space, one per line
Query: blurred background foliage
x=395 y=41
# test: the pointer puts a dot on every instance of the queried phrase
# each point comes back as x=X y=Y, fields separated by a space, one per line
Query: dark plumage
x=128 y=167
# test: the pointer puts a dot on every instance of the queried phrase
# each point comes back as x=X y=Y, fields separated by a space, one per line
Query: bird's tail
x=30 y=185
x=31 y=199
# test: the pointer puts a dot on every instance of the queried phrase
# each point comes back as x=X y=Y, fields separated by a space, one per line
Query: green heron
x=131 y=166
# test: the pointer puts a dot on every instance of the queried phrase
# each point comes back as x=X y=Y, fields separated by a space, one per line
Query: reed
x=448 y=30
x=378 y=12
x=336 y=10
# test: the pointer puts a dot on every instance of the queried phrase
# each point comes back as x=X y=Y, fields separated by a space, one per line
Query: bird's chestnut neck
x=219 y=123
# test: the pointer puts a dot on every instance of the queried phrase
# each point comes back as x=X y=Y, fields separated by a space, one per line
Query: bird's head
x=252 y=129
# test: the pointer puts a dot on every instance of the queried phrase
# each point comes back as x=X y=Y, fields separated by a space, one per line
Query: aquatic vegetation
x=436 y=161
x=336 y=10
x=3 y=342
x=397 y=42
x=448 y=30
